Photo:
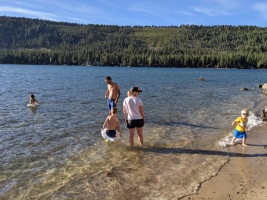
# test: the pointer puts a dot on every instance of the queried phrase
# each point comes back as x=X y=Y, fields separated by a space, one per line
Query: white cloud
x=140 y=8
x=261 y=8
x=26 y=12
x=210 y=12
x=218 y=7
x=186 y=13
x=209 y=8
x=227 y=4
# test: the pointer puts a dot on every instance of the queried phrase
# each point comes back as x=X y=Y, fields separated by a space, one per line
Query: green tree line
x=34 y=41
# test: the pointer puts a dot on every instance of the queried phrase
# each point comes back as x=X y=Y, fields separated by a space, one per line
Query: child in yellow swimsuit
x=241 y=127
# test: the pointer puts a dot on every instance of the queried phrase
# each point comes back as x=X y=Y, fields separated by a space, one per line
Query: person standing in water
x=134 y=114
x=111 y=123
x=112 y=94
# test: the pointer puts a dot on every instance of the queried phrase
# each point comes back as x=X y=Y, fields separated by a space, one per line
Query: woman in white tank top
x=134 y=114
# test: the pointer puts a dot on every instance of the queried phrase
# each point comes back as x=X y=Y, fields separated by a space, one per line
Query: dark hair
x=32 y=96
x=114 y=110
x=134 y=89
x=108 y=78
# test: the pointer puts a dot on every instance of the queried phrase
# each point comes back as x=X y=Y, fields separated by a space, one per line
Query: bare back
x=33 y=101
x=112 y=122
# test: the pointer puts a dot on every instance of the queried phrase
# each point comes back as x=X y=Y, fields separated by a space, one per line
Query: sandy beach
x=244 y=176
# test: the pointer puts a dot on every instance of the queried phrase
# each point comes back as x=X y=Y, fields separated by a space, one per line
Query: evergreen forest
x=43 y=42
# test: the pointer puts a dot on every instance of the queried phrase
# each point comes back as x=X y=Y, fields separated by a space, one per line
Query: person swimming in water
x=33 y=101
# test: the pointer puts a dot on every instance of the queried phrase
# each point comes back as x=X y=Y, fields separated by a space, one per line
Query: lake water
x=56 y=151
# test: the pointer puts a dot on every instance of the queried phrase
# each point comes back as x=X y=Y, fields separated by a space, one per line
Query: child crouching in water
x=112 y=122
x=33 y=101
x=241 y=127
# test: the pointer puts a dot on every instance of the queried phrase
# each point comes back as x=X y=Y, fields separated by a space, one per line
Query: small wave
x=226 y=141
x=253 y=121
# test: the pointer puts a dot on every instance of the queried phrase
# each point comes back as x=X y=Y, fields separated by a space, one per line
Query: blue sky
x=141 y=12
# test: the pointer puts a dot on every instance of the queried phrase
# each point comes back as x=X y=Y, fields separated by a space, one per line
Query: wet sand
x=244 y=176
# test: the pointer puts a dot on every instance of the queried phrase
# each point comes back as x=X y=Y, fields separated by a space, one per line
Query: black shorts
x=135 y=123
x=111 y=133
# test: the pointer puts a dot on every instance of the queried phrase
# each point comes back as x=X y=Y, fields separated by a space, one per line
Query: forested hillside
x=33 y=41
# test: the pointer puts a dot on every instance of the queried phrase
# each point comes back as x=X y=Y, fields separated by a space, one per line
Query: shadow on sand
x=163 y=150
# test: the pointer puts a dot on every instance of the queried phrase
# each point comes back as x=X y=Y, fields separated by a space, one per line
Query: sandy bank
x=243 y=177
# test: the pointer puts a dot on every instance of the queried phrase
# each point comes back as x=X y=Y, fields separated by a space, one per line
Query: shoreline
x=126 y=66
x=242 y=177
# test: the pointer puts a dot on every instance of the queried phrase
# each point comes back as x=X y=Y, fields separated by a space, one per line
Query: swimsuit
x=138 y=123
x=111 y=133
x=111 y=103
x=239 y=134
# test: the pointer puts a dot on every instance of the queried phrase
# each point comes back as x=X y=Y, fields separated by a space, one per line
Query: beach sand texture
x=244 y=176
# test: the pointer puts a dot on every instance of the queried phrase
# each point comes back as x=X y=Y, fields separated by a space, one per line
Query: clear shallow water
x=56 y=151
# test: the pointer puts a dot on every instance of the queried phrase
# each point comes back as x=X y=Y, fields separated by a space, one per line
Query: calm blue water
x=56 y=151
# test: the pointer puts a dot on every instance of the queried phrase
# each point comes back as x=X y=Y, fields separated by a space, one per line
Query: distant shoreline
x=135 y=66
x=34 y=41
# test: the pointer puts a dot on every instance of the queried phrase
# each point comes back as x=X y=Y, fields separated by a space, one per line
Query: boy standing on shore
x=241 y=127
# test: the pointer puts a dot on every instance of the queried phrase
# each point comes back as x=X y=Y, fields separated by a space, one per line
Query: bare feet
x=233 y=143
x=244 y=145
